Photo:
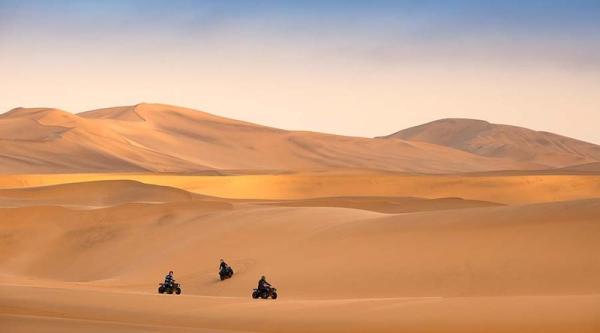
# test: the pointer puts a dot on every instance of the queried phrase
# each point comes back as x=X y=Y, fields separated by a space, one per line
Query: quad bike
x=226 y=273
x=169 y=288
x=265 y=293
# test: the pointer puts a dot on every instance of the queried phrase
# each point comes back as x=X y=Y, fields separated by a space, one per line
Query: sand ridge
x=496 y=140
x=498 y=188
x=93 y=194
x=166 y=138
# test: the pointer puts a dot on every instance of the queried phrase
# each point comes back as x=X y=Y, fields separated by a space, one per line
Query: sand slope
x=593 y=167
x=142 y=217
x=385 y=204
x=93 y=194
x=495 y=251
x=491 y=187
x=51 y=140
x=481 y=268
x=106 y=193
x=165 y=138
x=512 y=269
x=223 y=143
x=494 y=140
x=132 y=312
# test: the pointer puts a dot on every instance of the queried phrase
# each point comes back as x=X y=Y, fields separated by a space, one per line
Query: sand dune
x=345 y=270
x=223 y=143
x=441 y=253
x=61 y=141
x=93 y=194
x=494 y=140
x=106 y=193
x=491 y=187
x=165 y=138
x=516 y=268
x=132 y=312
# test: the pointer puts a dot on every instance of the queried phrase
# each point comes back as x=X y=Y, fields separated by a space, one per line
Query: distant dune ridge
x=503 y=141
x=165 y=138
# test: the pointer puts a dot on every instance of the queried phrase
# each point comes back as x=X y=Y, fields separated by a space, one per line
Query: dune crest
x=127 y=113
x=100 y=193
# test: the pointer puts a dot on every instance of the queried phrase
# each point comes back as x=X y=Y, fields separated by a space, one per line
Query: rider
x=263 y=284
x=169 y=279
x=223 y=266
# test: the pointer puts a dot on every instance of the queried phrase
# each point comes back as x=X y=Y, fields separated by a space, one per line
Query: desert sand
x=357 y=234
x=87 y=257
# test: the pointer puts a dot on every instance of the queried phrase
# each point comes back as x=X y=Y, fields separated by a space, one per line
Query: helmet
x=170 y=272
x=262 y=277
x=222 y=260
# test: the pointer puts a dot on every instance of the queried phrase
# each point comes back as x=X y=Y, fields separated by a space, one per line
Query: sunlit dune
x=93 y=194
x=503 y=141
x=96 y=269
x=501 y=188
x=165 y=138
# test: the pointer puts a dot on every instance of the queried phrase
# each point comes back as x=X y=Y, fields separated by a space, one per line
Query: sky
x=363 y=68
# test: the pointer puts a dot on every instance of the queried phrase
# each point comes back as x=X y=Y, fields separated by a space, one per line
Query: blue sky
x=382 y=65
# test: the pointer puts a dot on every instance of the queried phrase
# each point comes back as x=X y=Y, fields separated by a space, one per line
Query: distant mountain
x=503 y=141
x=166 y=138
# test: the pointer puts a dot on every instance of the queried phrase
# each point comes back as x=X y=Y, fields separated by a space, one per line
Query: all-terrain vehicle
x=265 y=293
x=226 y=273
x=169 y=288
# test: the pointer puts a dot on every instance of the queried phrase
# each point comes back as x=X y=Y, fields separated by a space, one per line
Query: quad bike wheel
x=222 y=277
x=264 y=295
x=274 y=295
x=178 y=291
x=161 y=290
x=255 y=295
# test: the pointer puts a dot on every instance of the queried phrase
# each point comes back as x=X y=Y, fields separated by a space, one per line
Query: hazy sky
x=362 y=68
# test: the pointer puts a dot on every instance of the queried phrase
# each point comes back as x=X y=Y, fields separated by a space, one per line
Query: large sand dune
x=517 y=268
x=165 y=138
x=439 y=253
x=51 y=140
x=505 y=141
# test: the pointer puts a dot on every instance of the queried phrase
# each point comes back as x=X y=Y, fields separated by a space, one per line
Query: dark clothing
x=169 y=279
x=223 y=266
x=263 y=284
